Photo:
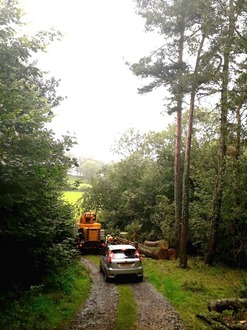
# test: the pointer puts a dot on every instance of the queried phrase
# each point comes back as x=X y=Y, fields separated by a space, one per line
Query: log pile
x=151 y=249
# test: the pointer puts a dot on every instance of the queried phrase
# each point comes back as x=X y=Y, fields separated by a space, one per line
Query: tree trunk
x=217 y=200
x=178 y=179
x=186 y=198
x=177 y=160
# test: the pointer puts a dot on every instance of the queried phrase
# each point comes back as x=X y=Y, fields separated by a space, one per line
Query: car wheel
x=106 y=278
x=140 y=279
x=100 y=268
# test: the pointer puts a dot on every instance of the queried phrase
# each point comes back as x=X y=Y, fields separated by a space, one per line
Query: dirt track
x=154 y=311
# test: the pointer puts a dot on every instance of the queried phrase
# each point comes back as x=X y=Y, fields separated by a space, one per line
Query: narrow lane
x=154 y=312
x=100 y=309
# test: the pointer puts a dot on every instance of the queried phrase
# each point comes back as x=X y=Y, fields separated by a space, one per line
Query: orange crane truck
x=91 y=236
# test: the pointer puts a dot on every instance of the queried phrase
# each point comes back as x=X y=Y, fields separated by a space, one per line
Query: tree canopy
x=202 y=60
x=36 y=225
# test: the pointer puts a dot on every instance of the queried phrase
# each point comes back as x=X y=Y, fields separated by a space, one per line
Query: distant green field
x=72 y=196
x=80 y=187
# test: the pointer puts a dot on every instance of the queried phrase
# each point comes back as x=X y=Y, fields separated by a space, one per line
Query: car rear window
x=122 y=254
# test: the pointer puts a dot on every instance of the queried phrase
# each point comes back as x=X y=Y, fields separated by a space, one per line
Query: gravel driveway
x=154 y=312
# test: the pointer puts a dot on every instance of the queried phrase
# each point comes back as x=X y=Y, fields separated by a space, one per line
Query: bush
x=47 y=306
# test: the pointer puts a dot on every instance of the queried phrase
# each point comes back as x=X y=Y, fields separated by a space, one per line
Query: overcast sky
x=102 y=100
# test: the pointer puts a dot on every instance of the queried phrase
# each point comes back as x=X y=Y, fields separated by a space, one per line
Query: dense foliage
x=43 y=307
x=201 y=60
x=136 y=194
x=36 y=225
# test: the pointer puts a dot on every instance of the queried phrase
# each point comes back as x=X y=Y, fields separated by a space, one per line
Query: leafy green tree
x=36 y=225
x=126 y=193
x=202 y=31
x=166 y=67
x=185 y=26
x=232 y=14
x=203 y=168
x=88 y=168
x=130 y=142
x=203 y=55
x=136 y=194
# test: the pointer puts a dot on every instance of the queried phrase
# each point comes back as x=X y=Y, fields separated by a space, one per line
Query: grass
x=72 y=196
x=48 y=309
x=190 y=290
x=126 y=313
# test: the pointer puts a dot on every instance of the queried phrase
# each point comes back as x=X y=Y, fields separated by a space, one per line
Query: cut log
x=146 y=252
x=154 y=243
x=162 y=253
x=222 y=321
x=171 y=254
x=208 y=319
x=234 y=304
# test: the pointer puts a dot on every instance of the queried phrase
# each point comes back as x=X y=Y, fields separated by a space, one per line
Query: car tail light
x=138 y=255
x=110 y=257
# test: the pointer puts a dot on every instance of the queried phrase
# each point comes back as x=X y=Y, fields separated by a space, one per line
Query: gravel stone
x=154 y=312
x=100 y=309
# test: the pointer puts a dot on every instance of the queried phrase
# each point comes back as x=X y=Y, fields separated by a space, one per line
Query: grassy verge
x=189 y=290
x=41 y=308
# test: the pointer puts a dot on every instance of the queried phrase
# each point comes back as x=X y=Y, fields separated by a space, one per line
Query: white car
x=119 y=260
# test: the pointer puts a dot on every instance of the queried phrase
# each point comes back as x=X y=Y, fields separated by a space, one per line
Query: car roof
x=121 y=246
